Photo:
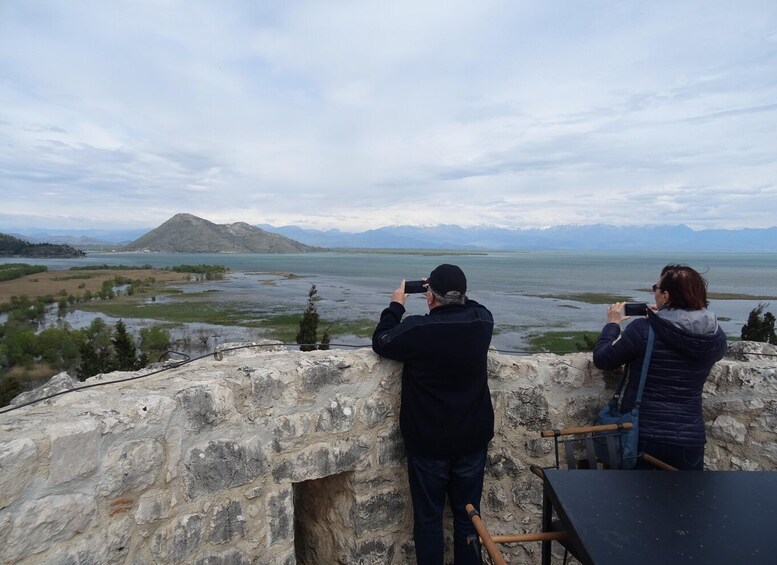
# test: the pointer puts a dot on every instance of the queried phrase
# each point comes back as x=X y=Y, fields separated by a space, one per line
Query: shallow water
x=517 y=287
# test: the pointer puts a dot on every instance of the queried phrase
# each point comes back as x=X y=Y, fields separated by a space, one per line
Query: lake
x=524 y=290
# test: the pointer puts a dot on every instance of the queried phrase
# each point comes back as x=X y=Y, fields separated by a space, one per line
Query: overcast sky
x=356 y=115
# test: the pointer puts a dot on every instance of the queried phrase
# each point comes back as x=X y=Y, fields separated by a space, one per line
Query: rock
x=43 y=523
x=18 y=463
x=58 y=383
x=727 y=427
x=223 y=464
x=177 y=542
x=74 y=450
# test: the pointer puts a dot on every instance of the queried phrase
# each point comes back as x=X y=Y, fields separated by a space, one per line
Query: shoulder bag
x=611 y=414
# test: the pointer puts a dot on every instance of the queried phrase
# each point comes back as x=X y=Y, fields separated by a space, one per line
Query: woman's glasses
x=655 y=287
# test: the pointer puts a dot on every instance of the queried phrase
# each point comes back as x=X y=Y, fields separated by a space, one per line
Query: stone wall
x=281 y=457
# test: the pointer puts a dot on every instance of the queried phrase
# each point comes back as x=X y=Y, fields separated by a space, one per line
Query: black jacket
x=446 y=404
x=671 y=409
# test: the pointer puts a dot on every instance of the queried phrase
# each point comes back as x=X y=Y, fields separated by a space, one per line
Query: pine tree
x=325 y=340
x=759 y=326
x=308 y=325
x=124 y=349
x=90 y=364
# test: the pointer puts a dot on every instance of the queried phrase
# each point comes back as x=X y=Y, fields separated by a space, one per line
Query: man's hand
x=399 y=294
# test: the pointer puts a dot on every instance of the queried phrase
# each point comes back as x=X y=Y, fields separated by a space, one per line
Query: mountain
x=11 y=246
x=596 y=237
x=82 y=237
x=185 y=233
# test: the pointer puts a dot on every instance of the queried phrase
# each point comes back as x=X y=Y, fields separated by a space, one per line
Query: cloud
x=359 y=115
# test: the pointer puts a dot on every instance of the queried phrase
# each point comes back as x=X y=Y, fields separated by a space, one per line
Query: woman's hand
x=615 y=313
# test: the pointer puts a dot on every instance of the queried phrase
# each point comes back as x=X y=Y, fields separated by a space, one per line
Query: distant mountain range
x=188 y=232
x=588 y=237
x=185 y=233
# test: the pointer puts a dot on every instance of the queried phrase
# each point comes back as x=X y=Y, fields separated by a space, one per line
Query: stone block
x=503 y=463
x=206 y=405
x=18 y=463
x=320 y=373
x=130 y=466
x=280 y=517
x=527 y=493
x=728 y=428
x=528 y=409
x=176 y=542
x=374 y=412
x=377 y=551
x=496 y=499
x=74 y=447
x=153 y=505
x=227 y=523
x=323 y=459
x=154 y=411
x=391 y=449
x=267 y=387
x=108 y=545
x=41 y=524
x=231 y=557
x=339 y=416
x=224 y=464
x=379 y=511
x=292 y=430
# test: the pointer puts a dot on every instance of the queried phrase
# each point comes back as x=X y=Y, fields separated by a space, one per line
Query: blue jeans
x=683 y=457
x=431 y=479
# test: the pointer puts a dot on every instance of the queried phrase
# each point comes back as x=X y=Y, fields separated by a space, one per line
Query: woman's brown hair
x=686 y=287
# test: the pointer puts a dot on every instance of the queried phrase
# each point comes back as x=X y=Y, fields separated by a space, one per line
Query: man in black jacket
x=446 y=417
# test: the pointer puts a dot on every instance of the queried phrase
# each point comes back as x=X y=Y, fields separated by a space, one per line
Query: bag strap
x=645 y=365
x=643 y=375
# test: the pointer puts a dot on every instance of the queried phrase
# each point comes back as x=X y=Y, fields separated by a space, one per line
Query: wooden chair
x=490 y=542
x=586 y=447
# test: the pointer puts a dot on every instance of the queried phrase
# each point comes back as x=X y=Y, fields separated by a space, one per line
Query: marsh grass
x=177 y=312
x=738 y=296
x=603 y=298
x=588 y=297
x=282 y=326
x=560 y=342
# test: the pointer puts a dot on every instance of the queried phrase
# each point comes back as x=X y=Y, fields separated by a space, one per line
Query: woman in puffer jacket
x=688 y=342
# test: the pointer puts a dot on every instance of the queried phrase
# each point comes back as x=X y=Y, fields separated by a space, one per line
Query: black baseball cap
x=447 y=278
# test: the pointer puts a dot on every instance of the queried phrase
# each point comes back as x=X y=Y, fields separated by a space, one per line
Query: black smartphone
x=635 y=309
x=415 y=287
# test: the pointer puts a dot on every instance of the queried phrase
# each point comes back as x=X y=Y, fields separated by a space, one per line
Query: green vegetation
x=737 y=296
x=178 y=312
x=724 y=295
x=420 y=252
x=105 y=267
x=209 y=272
x=587 y=297
x=760 y=326
x=14 y=247
x=308 y=326
x=10 y=271
x=27 y=358
x=561 y=342
x=603 y=298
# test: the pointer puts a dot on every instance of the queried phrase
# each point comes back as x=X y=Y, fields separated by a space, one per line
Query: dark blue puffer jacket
x=687 y=345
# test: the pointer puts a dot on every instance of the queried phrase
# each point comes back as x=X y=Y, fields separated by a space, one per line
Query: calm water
x=520 y=288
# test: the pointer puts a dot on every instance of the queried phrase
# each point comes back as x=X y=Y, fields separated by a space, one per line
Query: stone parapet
x=281 y=457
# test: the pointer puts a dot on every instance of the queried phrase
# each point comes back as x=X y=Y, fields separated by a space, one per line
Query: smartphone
x=635 y=309
x=415 y=287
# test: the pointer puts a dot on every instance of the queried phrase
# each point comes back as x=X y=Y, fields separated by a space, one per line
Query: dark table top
x=667 y=517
